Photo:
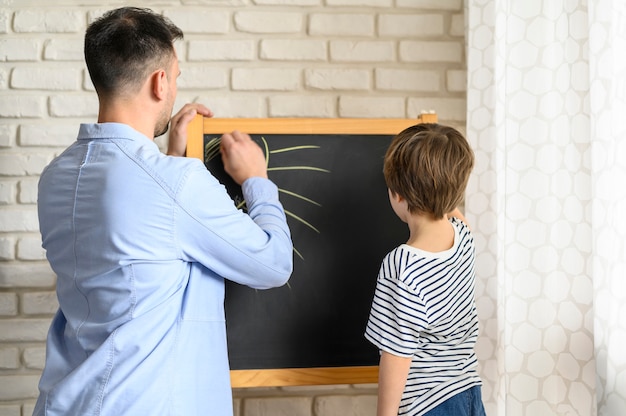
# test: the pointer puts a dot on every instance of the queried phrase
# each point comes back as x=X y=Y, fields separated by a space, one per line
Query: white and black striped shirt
x=424 y=308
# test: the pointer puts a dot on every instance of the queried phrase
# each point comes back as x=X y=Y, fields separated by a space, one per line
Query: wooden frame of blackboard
x=195 y=143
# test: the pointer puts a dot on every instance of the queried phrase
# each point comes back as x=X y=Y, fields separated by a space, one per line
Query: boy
x=423 y=316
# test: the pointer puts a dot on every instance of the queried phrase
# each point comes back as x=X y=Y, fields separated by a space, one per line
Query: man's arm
x=254 y=249
x=392 y=375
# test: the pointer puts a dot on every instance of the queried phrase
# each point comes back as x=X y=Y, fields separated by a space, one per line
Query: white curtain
x=547 y=200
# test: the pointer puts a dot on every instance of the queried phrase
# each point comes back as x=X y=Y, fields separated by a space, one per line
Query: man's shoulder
x=176 y=168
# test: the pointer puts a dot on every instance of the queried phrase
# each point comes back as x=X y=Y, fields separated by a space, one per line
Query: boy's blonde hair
x=429 y=166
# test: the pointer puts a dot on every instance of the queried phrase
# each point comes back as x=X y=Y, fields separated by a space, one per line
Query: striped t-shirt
x=424 y=308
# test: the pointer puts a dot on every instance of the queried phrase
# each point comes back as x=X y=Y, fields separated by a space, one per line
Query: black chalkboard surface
x=333 y=191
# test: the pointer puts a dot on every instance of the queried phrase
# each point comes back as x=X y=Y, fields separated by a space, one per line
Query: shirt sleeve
x=253 y=249
x=398 y=314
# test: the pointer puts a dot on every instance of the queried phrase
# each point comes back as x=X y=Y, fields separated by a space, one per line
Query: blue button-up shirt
x=141 y=244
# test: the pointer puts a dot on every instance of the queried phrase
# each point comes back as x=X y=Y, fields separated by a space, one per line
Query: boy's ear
x=396 y=197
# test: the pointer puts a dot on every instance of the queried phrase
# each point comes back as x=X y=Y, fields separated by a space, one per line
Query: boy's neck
x=429 y=234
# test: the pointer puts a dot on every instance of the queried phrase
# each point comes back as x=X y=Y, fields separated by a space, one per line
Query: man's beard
x=162 y=130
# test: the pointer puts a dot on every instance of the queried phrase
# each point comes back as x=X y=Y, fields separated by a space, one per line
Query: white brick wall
x=267 y=58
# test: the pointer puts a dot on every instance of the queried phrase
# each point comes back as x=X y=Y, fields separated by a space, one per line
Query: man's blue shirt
x=141 y=244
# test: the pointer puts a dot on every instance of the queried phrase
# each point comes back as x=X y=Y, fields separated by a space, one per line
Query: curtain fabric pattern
x=547 y=199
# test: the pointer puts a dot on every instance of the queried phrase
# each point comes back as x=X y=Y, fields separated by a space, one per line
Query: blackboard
x=329 y=173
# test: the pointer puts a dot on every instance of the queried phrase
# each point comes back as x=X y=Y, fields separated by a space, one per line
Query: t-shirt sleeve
x=398 y=314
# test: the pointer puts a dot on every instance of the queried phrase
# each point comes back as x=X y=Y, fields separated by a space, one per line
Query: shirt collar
x=110 y=131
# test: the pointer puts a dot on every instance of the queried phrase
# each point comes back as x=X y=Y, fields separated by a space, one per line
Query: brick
x=87 y=84
x=34 y=357
x=48 y=134
x=22 y=164
x=29 y=408
x=456 y=80
x=431 y=4
x=17 y=220
x=39 y=303
x=366 y=386
x=11 y=410
x=27 y=191
x=202 y=77
x=18 y=330
x=9 y=358
x=17 y=387
x=433 y=51
x=268 y=22
x=180 y=46
x=361 y=51
x=59 y=79
x=5 y=17
x=410 y=25
x=372 y=3
x=20 y=106
x=8 y=304
x=345 y=405
x=4 y=79
x=269 y=79
x=74 y=106
x=293 y=50
x=368 y=107
x=199 y=20
x=408 y=80
x=236 y=406
x=19 y=50
x=318 y=389
x=447 y=109
x=50 y=21
x=288 y=2
x=341 y=24
x=221 y=50
x=29 y=248
x=8 y=192
x=337 y=79
x=302 y=106
x=31 y=275
x=94 y=14
x=63 y=50
x=232 y=107
x=7 y=135
x=457 y=25
x=7 y=248
x=292 y=406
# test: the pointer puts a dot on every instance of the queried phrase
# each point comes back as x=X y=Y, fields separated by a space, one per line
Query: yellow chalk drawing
x=212 y=150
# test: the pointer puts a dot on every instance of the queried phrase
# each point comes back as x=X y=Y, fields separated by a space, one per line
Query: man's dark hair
x=125 y=45
x=429 y=166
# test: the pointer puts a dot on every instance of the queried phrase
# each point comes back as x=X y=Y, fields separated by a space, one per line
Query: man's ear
x=159 y=83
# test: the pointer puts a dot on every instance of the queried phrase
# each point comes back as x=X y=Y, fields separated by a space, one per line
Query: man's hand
x=242 y=157
x=177 y=143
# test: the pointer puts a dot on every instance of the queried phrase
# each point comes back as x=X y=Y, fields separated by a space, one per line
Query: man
x=141 y=242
